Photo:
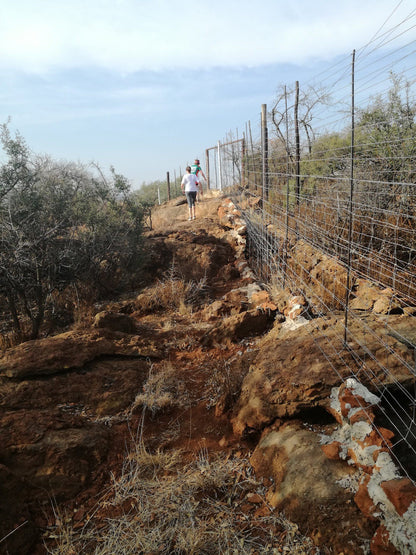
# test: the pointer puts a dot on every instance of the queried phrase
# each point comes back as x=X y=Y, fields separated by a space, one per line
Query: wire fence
x=326 y=182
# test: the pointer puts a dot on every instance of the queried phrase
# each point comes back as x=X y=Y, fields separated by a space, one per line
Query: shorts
x=191 y=198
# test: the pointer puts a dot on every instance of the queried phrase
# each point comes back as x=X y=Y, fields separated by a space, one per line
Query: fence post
x=350 y=208
x=253 y=162
x=285 y=246
x=243 y=165
x=219 y=166
x=207 y=166
x=168 y=184
x=297 y=141
x=265 y=152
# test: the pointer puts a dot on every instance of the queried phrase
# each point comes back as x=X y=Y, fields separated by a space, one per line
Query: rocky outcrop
x=234 y=328
x=66 y=400
x=291 y=374
x=382 y=494
x=115 y=321
x=301 y=481
x=72 y=350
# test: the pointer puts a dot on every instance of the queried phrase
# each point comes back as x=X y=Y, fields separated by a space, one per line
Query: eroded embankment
x=204 y=360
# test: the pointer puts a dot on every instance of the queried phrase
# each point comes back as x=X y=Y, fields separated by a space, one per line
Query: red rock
x=271 y=307
x=115 y=321
x=380 y=544
x=337 y=415
x=363 y=415
x=368 y=469
x=377 y=452
x=332 y=450
x=363 y=499
x=260 y=297
x=379 y=437
x=295 y=307
x=237 y=327
x=349 y=400
x=401 y=493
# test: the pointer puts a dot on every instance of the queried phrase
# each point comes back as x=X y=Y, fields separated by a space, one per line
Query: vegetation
x=156 y=192
x=160 y=504
x=61 y=225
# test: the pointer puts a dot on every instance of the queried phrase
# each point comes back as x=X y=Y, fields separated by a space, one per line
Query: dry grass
x=223 y=385
x=9 y=340
x=160 y=506
x=162 y=389
x=173 y=293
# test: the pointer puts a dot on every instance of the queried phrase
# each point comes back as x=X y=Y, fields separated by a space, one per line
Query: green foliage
x=385 y=136
x=60 y=224
x=18 y=169
x=384 y=146
x=329 y=156
x=150 y=194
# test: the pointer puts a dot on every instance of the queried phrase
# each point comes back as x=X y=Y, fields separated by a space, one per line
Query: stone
x=363 y=499
x=381 y=545
x=260 y=297
x=295 y=307
x=362 y=415
x=115 y=321
x=401 y=492
x=292 y=364
x=387 y=305
x=73 y=349
x=237 y=327
x=332 y=450
x=365 y=295
x=349 y=400
x=304 y=481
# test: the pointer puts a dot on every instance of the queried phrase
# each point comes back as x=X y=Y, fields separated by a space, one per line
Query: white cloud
x=134 y=35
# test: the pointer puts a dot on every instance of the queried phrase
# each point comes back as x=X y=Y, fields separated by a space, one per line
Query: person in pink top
x=190 y=187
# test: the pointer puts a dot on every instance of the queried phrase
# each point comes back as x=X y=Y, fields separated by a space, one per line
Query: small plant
x=224 y=386
x=173 y=293
x=162 y=389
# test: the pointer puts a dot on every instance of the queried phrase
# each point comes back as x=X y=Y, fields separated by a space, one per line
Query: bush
x=60 y=224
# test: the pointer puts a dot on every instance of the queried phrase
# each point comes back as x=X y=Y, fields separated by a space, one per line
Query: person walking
x=197 y=170
x=190 y=186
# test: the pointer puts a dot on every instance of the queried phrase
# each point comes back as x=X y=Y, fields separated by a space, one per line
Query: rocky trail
x=204 y=365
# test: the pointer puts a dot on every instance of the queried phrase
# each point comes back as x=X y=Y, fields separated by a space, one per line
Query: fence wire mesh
x=326 y=185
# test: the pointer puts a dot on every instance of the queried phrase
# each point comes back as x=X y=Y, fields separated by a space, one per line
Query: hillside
x=189 y=417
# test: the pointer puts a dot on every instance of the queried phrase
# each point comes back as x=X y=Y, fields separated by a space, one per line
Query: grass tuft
x=159 y=505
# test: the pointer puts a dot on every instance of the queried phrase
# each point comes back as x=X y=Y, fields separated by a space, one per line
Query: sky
x=146 y=86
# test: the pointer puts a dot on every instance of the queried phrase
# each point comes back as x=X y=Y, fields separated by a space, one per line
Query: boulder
x=237 y=327
x=291 y=373
x=305 y=481
x=401 y=492
x=115 y=321
x=367 y=296
x=381 y=545
x=73 y=349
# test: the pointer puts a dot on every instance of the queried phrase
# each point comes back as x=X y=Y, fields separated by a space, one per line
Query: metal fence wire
x=326 y=182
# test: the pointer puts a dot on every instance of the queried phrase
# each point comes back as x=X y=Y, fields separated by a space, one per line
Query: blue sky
x=147 y=85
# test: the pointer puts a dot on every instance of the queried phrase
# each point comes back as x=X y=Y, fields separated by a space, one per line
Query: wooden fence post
x=265 y=152
x=168 y=184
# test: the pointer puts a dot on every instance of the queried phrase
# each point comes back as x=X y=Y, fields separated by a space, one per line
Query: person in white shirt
x=190 y=187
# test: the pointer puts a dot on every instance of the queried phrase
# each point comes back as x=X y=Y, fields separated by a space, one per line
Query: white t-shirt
x=191 y=183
